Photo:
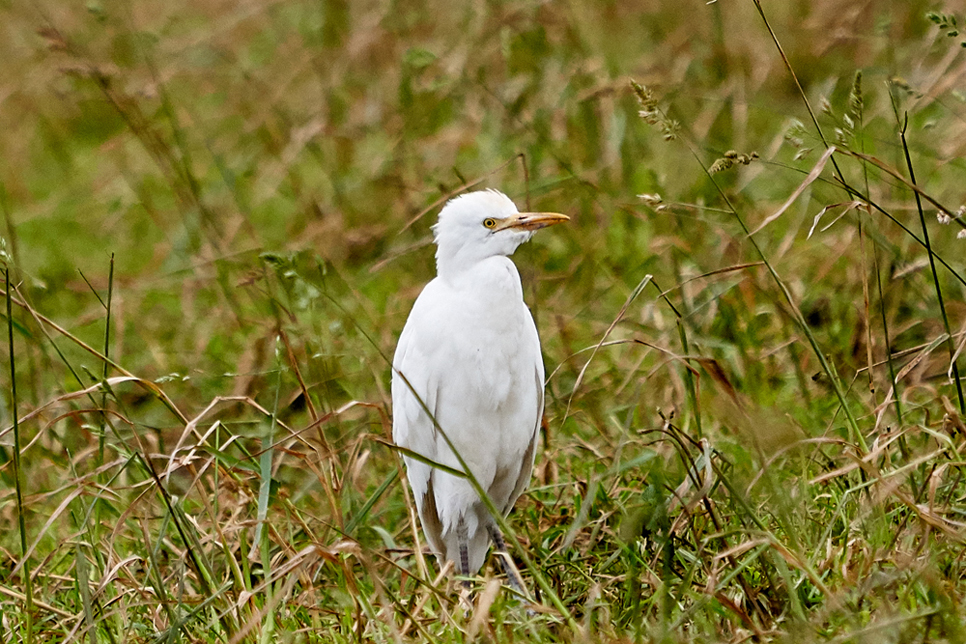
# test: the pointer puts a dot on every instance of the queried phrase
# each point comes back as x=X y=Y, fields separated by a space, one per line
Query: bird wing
x=517 y=464
x=526 y=464
x=415 y=389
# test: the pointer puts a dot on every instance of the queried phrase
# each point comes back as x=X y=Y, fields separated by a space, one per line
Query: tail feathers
x=475 y=545
x=445 y=543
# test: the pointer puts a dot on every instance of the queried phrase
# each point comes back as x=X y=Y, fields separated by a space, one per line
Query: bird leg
x=512 y=574
x=462 y=537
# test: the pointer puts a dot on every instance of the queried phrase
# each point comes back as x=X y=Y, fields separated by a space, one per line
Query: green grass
x=216 y=217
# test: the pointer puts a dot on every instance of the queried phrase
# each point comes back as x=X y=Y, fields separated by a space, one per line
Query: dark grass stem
x=950 y=345
x=878 y=208
x=18 y=473
x=107 y=353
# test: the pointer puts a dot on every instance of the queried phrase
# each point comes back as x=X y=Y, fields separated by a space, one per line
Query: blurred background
x=264 y=175
x=188 y=138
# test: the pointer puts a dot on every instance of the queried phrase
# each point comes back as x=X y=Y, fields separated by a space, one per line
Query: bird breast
x=477 y=332
x=490 y=336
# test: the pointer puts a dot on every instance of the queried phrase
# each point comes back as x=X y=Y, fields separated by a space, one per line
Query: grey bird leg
x=462 y=537
x=512 y=576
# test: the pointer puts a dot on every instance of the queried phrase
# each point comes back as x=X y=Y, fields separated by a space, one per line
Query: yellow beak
x=531 y=220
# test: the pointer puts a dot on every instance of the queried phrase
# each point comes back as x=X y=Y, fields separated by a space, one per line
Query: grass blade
x=18 y=473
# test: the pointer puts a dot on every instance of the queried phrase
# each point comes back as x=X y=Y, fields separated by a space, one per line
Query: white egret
x=470 y=354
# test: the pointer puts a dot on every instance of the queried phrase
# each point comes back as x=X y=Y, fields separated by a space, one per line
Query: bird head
x=479 y=225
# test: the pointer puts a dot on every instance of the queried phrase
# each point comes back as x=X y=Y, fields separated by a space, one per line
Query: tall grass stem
x=18 y=472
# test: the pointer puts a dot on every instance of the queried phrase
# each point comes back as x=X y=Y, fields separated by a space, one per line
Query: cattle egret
x=469 y=354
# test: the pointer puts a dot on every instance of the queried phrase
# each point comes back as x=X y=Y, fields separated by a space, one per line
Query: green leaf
x=418 y=58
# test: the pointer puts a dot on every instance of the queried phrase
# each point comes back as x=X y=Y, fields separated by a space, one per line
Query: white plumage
x=471 y=353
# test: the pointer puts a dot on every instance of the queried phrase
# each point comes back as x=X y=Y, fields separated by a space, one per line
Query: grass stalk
x=28 y=632
x=107 y=352
x=950 y=344
x=264 y=495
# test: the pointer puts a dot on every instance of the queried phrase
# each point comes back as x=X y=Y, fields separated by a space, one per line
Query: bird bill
x=531 y=220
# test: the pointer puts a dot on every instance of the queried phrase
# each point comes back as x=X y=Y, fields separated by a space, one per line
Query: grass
x=216 y=218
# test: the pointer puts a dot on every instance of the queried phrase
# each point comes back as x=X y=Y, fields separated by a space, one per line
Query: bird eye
x=489 y=222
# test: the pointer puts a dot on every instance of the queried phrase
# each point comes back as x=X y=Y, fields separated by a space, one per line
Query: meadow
x=216 y=216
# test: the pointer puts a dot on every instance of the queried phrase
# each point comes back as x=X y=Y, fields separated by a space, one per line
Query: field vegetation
x=216 y=218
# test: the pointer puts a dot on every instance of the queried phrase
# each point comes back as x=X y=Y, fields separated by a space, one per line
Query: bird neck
x=453 y=262
x=496 y=273
x=456 y=254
